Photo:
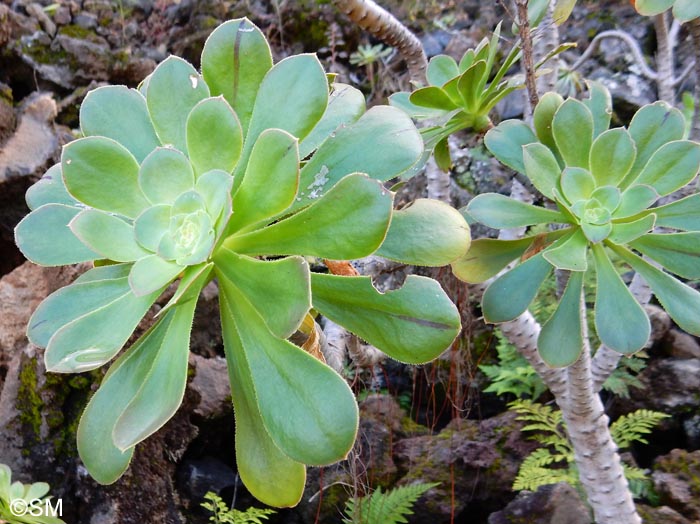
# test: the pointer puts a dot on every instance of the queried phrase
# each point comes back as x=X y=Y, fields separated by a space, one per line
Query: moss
x=29 y=403
x=45 y=54
x=75 y=31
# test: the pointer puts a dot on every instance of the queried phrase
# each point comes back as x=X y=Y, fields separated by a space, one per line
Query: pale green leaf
x=346 y=105
x=121 y=114
x=612 y=156
x=163 y=386
x=383 y=143
x=152 y=273
x=151 y=225
x=102 y=174
x=542 y=119
x=686 y=10
x=569 y=252
x=214 y=136
x=441 y=69
x=560 y=341
x=596 y=232
x=678 y=253
x=235 y=59
x=621 y=323
x=505 y=142
x=279 y=290
x=499 y=211
x=651 y=127
x=427 y=233
x=307 y=408
x=164 y=175
x=487 y=256
x=572 y=128
x=577 y=184
x=43 y=237
x=174 y=89
x=49 y=189
x=110 y=236
x=270 y=475
x=562 y=10
x=624 y=232
x=215 y=189
x=349 y=221
x=682 y=214
x=671 y=167
x=542 y=168
x=271 y=179
x=412 y=324
x=680 y=301
x=652 y=7
x=194 y=278
x=600 y=105
x=510 y=294
x=635 y=200
x=432 y=97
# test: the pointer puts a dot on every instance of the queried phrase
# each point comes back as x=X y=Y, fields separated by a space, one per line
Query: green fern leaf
x=630 y=428
x=389 y=507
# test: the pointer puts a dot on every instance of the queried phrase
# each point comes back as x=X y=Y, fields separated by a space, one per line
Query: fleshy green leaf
x=621 y=323
x=651 y=127
x=600 y=105
x=682 y=214
x=279 y=290
x=164 y=358
x=635 y=200
x=151 y=225
x=432 y=97
x=235 y=59
x=349 y=221
x=671 y=167
x=652 y=7
x=499 y=211
x=214 y=136
x=292 y=97
x=121 y=114
x=193 y=280
x=174 y=89
x=612 y=156
x=164 y=175
x=270 y=475
x=43 y=236
x=427 y=233
x=49 y=189
x=441 y=154
x=152 y=273
x=510 y=294
x=441 y=69
x=383 y=143
x=577 y=184
x=678 y=253
x=271 y=180
x=608 y=196
x=505 y=142
x=680 y=301
x=542 y=119
x=572 y=128
x=686 y=10
x=469 y=83
x=90 y=322
x=311 y=414
x=569 y=252
x=102 y=174
x=561 y=339
x=108 y=235
x=542 y=168
x=215 y=189
x=402 y=101
x=345 y=105
x=596 y=232
x=487 y=256
x=412 y=324
x=625 y=232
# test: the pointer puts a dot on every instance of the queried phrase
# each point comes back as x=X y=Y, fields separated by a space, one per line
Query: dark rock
x=677 y=481
x=629 y=91
x=691 y=427
x=207 y=474
x=475 y=463
x=661 y=515
x=211 y=382
x=62 y=16
x=7 y=113
x=552 y=504
x=435 y=43
x=660 y=323
x=681 y=345
x=87 y=21
x=675 y=383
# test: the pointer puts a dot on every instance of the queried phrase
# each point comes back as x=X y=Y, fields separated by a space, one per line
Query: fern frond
x=385 y=507
x=531 y=478
x=630 y=428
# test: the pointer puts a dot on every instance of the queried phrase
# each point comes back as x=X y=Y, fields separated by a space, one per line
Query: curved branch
x=629 y=40
x=376 y=20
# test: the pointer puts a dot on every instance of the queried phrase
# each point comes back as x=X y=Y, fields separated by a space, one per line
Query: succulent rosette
x=238 y=173
x=602 y=184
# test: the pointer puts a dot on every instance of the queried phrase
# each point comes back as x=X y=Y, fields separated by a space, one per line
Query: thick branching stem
x=664 y=59
x=374 y=19
x=528 y=60
x=598 y=461
x=695 y=33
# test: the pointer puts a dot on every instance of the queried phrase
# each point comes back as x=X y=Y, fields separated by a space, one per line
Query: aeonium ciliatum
x=603 y=183
x=238 y=173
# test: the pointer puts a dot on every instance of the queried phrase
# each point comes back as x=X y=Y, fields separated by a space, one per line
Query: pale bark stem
x=664 y=59
x=695 y=33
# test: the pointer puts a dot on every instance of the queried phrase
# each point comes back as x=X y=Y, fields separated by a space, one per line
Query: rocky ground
x=424 y=424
